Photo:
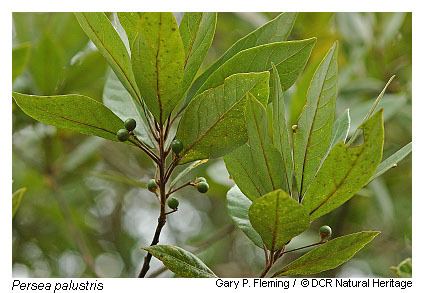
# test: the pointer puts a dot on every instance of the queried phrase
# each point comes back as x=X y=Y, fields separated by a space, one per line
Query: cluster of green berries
x=325 y=233
x=124 y=133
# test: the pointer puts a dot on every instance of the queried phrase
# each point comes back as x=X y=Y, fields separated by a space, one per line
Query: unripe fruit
x=152 y=186
x=173 y=203
x=177 y=146
x=201 y=179
x=325 y=233
x=202 y=187
x=123 y=135
x=130 y=124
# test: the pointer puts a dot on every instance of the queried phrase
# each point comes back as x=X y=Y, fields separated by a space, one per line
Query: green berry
x=177 y=146
x=325 y=233
x=201 y=179
x=123 y=135
x=130 y=124
x=152 y=186
x=202 y=187
x=173 y=203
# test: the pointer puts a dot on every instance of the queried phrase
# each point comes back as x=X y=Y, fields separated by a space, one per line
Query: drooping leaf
x=340 y=129
x=276 y=30
x=256 y=166
x=312 y=137
x=391 y=161
x=403 y=269
x=328 y=255
x=117 y=98
x=101 y=32
x=281 y=133
x=186 y=171
x=16 y=200
x=181 y=262
x=75 y=112
x=20 y=57
x=238 y=208
x=157 y=57
x=213 y=123
x=289 y=57
x=278 y=218
x=346 y=170
x=197 y=30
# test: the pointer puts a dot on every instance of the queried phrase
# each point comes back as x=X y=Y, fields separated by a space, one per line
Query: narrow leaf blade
x=20 y=57
x=181 y=262
x=328 y=255
x=16 y=200
x=75 y=112
x=340 y=129
x=391 y=161
x=312 y=137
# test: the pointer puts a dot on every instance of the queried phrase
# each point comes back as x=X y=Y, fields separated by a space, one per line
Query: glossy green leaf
x=213 y=123
x=346 y=170
x=16 y=200
x=340 y=129
x=281 y=133
x=256 y=166
x=197 y=30
x=238 y=208
x=312 y=137
x=278 y=218
x=157 y=57
x=329 y=255
x=392 y=161
x=130 y=21
x=276 y=30
x=101 y=32
x=289 y=57
x=20 y=57
x=181 y=262
x=117 y=98
x=75 y=112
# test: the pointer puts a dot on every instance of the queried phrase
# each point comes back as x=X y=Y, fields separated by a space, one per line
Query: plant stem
x=162 y=197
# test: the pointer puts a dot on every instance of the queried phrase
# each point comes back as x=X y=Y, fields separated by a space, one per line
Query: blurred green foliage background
x=86 y=213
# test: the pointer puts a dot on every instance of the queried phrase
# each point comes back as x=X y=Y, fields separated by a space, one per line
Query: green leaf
x=181 y=262
x=16 y=200
x=197 y=30
x=278 y=218
x=340 y=129
x=130 y=21
x=101 y=32
x=157 y=56
x=120 y=178
x=281 y=133
x=186 y=171
x=117 y=98
x=392 y=161
x=238 y=209
x=256 y=166
x=289 y=58
x=20 y=57
x=403 y=269
x=213 y=123
x=75 y=112
x=312 y=137
x=346 y=170
x=328 y=255
x=276 y=30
